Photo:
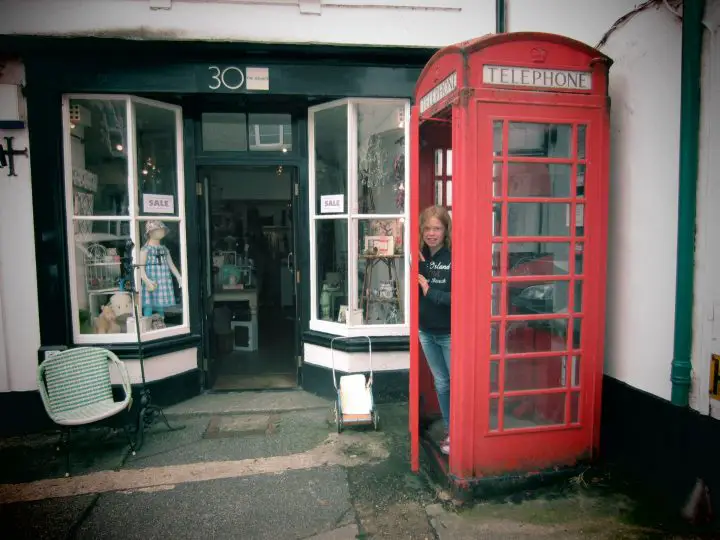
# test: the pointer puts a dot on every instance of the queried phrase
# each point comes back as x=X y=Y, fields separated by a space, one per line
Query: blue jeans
x=437 y=352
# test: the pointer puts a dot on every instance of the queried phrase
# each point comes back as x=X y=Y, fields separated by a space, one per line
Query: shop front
x=262 y=197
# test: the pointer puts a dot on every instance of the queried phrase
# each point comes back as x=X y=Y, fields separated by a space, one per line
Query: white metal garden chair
x=75 y=389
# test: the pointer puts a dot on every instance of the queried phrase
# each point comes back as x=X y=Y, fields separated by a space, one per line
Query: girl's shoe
x=445 y=446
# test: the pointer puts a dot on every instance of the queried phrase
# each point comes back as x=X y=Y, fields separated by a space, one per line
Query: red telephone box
x=511 y=132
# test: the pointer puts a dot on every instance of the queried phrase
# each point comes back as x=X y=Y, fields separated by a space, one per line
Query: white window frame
x=133 y=216
x=351 y=218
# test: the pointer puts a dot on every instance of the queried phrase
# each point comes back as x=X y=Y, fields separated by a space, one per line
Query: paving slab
x=295 y=504
x=229 y=438
x=248 y=402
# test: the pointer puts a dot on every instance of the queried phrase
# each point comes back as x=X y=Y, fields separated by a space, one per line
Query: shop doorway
x=251 y=330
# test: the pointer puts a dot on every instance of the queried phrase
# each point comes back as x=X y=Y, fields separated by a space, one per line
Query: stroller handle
x=332 y=355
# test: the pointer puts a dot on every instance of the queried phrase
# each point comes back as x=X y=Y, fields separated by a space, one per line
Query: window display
x=358 y=201
x=118 y=191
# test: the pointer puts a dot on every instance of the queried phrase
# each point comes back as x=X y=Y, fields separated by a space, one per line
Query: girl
x=434 y=280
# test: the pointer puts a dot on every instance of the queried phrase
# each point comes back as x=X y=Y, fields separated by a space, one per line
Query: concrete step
x=250 y=402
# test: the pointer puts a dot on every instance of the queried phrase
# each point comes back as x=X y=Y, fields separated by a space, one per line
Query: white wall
x=706 y=322
x=19 y=322
x=584 y=20
x=645 y=120
x=361 y=22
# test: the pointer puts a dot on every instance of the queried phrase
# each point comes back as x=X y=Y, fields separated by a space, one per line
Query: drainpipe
x=690 y=80
x=500 y=17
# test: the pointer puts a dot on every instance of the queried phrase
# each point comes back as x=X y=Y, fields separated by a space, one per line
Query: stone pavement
x=269 y=465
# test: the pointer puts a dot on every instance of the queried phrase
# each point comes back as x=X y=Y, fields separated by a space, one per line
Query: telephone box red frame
x=544 y=372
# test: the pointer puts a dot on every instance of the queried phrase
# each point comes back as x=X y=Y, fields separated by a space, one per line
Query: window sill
x=130 y=337
x=157 y=347
x=372 y=330
x=379 y=343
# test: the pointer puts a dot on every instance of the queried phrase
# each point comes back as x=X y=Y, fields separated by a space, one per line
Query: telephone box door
x=538 y=392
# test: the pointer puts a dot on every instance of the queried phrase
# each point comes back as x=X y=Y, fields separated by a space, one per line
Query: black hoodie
x=435 y=306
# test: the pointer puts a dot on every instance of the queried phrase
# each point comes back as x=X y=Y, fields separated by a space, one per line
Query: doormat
x=255 y=382
x=221 y=427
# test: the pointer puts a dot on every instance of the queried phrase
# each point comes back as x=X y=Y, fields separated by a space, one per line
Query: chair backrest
x=77 y=377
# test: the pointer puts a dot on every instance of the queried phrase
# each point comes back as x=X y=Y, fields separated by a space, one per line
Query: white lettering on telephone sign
x=332 y=204
x=158 y=204
x=560 y=79
x=439 y=92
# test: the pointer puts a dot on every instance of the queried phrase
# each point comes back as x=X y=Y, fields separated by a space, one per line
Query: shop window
x=124 y=181
x=358 y=202
x=240 y=132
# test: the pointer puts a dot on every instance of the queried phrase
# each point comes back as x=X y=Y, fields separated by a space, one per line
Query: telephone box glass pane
x=580 y=181
x=448 y=162
x=494 y=338
x=439 y=162
x=494 y=376
x=575 y=407
x=493 y=414
x=495 y=298
x=497 y=179
x=575 y=375
x=497 y=219
x=581 y=134
x=578 y=297
x=380 y=280
x=580 y=220
x=536 y=336
x=438 y=192
x=579 y=258
x=539 y=140
x=539 y=180
x=538 y=219
x=537 y=297
x=331 y=149
x=497 y=137
x=534 y=373
x=577 y=333
x=538 y=258
x=496 y=253
x=533 y=411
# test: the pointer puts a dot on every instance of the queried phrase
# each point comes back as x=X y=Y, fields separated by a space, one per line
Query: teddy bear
x=105 y=323
x=121 y=304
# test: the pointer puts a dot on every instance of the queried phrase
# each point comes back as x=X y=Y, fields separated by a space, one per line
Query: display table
x=242 y=295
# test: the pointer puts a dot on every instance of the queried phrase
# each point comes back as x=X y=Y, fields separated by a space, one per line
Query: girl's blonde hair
x=442 y=214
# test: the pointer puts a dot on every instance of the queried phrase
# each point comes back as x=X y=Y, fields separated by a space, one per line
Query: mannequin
x=156 y=266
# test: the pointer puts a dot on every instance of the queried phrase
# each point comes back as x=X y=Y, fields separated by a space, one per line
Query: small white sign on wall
x=257 y=78
x=332 y=204
x=158 y=204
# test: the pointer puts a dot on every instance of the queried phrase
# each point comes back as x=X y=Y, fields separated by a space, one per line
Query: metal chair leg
x=128 y=433
x=67 y=454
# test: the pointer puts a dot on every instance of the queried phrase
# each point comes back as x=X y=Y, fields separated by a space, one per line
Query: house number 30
x=219 y=78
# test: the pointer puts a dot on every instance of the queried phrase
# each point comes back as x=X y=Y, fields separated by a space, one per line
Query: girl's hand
x=424 y=285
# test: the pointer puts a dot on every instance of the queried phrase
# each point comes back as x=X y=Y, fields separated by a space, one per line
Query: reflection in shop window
x=224 y=132
x=270 y=132
x=101 y=173
x=332 y=254
x=381 y=280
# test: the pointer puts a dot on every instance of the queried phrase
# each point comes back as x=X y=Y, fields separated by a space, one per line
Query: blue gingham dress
x=158 y=270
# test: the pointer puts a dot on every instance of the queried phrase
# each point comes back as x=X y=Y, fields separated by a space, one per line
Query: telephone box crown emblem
x=538 y=55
